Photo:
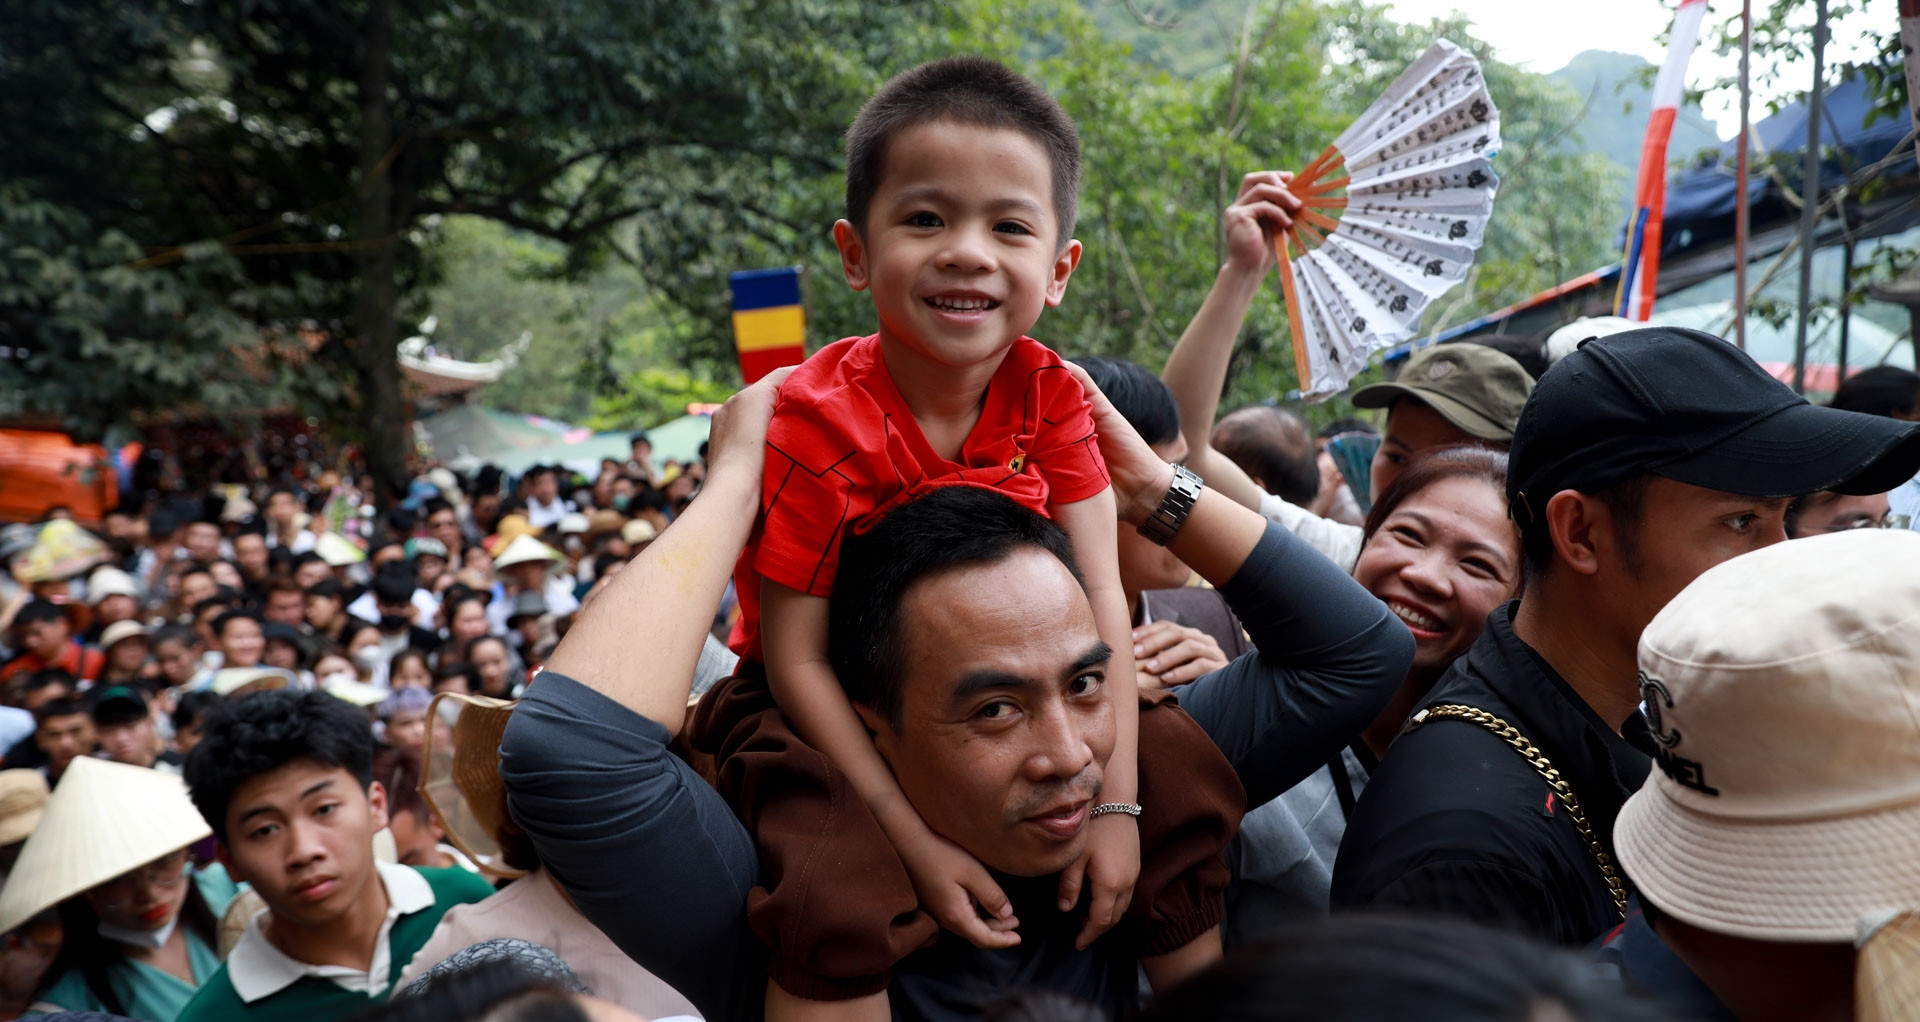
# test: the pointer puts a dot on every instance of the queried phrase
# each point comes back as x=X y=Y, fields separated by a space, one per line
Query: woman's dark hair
x=94 y=956
x=1373 y=967
x=353 y=629
x=1465 y=461
x=951 y=527
x=449 y=670
x=500 y=990
x=410 y=653
x=1883 y=390
x=257 y=734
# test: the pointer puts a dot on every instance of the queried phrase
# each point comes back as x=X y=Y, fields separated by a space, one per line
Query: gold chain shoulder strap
x=1544 y=767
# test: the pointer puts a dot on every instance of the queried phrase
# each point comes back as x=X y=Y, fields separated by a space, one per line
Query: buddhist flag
x=769 y=325
x=1642 y=267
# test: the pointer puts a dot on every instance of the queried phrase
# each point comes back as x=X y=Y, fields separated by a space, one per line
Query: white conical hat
x=104 y=819
x=524 y=549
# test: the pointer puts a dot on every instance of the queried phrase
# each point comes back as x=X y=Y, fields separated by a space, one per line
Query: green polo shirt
x=284 y=989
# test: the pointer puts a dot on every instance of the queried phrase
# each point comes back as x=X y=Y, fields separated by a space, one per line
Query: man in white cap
x=527 y=565
x=1777 y=849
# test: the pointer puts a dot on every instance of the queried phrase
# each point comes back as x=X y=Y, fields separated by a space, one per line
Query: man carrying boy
x=961 y=180
x=285 y=780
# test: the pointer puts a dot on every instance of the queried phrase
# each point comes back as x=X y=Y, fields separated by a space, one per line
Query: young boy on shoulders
x=961 y=182
x=285 y=779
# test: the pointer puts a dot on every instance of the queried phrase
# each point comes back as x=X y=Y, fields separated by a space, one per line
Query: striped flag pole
x=769 y=321
x=1641 y=270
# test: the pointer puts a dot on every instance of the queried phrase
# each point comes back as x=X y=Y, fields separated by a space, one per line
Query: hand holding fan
x=1357 y=269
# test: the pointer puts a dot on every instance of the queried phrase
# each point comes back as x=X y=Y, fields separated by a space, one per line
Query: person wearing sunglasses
x=111 y=858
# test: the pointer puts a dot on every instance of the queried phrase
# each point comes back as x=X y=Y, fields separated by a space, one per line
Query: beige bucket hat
x=1783 y=687
x=461 y=782
x=104 y=819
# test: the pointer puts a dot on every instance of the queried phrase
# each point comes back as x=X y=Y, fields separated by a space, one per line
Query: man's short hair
x=182 y=634
x=257 y=734
x=1275 y=446
x=46 y=678
x=951 y=527
x=220 y=623
x=37 y=611
x=306 y=557
x=1140 y=397
x=1888 y=391
x=193 y=707
x=328 y=587
x=970 y=90
x=394 y=585
x=433 y=506
x=283 y=584
x=65 y=706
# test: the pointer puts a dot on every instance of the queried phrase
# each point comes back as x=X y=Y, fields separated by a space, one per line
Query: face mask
x=393 y=624
x=155 y=939
x=366 y=658
x=621 y=500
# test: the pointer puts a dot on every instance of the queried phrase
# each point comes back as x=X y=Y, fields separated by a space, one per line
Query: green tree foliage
x=591 y=171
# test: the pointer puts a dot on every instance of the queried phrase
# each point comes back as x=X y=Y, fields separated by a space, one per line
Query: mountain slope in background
x=1621 y=89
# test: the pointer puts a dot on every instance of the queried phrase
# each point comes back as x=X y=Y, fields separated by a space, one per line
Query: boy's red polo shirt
x=843 y=449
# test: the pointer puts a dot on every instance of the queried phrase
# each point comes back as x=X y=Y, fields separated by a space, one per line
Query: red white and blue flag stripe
x=1641 y=269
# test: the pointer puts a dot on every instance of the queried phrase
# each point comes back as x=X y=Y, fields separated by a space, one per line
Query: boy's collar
x=259 y=969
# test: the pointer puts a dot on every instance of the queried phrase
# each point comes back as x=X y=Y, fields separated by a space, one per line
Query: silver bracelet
x=1116 y=807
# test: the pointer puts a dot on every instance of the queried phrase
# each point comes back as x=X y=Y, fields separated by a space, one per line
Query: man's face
x=202 y=540
x=118 y=525
x=132 y=742
x=415 y=839
x=445 y=527
x=322 y=611
x=429 y=569
x=528 y=576
x=32 y=701
x=282 y=654
x=287 y=606
x=224 y=573
x=641 y=452
x=250 y=552
x=128 y=654
x=1683 y=531
x=46 y=639
x=241 y=643
x=281 y=507
x=1412 y=427
x=196 y=587
x=1145 y=564
x=302 y=835
x=490 y=662
x=391 y=554
x=1837 y=512
x=1006 y=725
x=312 y=573
x=64 y=739
x=177 y=661
x=962 y=246
x=546 y=487
x=398 y=614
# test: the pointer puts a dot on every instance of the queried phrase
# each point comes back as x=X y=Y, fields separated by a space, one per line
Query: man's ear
x=377 y=805
x=853 y=254
x=1571 y=520
x=1063 y=266
x=877 y=726
x=224 y=857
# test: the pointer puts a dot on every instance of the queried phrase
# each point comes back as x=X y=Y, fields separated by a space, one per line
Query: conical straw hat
x=524 y=549
x=103 y=820
x=461 y=783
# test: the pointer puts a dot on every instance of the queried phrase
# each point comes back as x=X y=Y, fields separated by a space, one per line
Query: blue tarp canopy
x=1700 y=199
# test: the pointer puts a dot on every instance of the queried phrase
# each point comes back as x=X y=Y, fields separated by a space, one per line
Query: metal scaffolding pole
x=1810 y=195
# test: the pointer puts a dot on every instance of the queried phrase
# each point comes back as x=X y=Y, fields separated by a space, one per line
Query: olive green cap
x=1472 y=386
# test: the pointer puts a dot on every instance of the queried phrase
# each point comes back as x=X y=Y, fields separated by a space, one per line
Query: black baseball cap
x=117 y=704
x=1688 y=406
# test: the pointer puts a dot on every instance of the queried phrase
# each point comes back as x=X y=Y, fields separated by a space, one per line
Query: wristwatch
x=1165 y=522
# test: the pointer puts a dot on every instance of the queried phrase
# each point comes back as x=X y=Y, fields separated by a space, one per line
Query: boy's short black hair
x=38 y=610
x=257 y=734
x=65 y=706
x=970 y=90
x=193 y=707
x=950 y=527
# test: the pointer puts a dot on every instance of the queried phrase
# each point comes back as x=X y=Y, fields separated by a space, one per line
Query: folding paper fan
x=1399 y=227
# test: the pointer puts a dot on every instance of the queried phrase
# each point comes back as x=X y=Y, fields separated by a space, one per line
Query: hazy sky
x=1543 y=35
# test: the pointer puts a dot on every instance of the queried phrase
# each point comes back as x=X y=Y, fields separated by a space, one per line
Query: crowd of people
x=963 y=681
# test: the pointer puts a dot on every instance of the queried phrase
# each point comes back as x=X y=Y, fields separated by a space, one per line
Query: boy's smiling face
x=962 y=247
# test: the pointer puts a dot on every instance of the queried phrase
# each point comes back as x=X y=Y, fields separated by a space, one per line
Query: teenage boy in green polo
x=285 y=779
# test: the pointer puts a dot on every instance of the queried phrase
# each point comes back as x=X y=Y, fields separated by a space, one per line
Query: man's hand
x=737 y=441
x=1166 y=654
x=1140 y=478
x=950 y=884
x=1263 y=209
x=1109 y=867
